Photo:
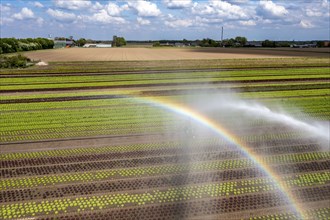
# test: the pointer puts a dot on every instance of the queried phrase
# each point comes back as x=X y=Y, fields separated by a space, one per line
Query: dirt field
x=137 y=54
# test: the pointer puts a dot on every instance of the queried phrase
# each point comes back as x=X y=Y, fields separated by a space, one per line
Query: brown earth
x=141 y=54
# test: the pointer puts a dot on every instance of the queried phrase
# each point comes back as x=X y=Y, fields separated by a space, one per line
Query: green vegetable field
x=219 y=139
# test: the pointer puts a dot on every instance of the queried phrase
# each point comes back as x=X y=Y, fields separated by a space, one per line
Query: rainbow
x=197 y=117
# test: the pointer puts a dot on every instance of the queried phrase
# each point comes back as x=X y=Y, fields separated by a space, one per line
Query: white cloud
x=73 y=4
x=272 y=9
x=320 y=9
x=103 y=17
x=313 y=13
x=306 y=24
x=97 y=6
x=220 y=9
x=40 y=21
x=61 y=15
x=115 y=10
x=266 y=21
x=38 y=5
x=144 y=8
x=142 y=21
x=179 y=23
x=238 y=1
x=177 y=4
x=4 y=8
x=25 y=13
x=325 y=4
x=248 y=23
x=4 y=21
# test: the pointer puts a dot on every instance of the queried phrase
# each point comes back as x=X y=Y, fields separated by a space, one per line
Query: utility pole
x=222 y=35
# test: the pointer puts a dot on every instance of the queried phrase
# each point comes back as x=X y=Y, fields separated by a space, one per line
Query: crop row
x=124 y=113
x=179 y=194
x=104 y=114
x=286 y=93
x=68 y=67
x=64 y=130
x=158 y=82
x=29 y=123
x=88 y=115
x=188 y=209
x=218 y=153
x=139 y=130
x=114 y=131
x=84 y=119
x=257 y=89
x=291 y=145
x=320 y=214
x=192 y=209
x=89 y=126
x=135 y=103
x=223 y=152
x=226 y=189
x=178 y=75
x=87 y=174
x=33 y=120
x=137 y=162
x=115 y=80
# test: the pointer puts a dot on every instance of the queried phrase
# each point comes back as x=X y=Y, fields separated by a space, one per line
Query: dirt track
x=135 y=54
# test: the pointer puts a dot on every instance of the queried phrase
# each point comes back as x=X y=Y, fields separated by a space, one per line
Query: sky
x=167 y=19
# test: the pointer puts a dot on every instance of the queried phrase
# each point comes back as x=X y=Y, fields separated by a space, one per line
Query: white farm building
x=97 y=45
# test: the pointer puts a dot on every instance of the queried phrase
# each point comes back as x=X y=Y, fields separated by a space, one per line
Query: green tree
x=268 y=43
x=156 y=44
x=229 y=42
x=241 y=40
x=120 y=41
x=81 y=42
x=207 y=42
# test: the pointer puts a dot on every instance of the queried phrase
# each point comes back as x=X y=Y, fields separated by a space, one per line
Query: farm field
x=187 y=139
x=156 y=54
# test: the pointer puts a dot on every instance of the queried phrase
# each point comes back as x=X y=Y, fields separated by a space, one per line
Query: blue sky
x=167 y=19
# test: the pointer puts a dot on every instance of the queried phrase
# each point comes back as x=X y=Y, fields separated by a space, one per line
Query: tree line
x=13 y=45
x=206 y=42
x=120 y=41
x=238 y=41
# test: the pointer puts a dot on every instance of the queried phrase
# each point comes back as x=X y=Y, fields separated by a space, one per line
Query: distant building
x=63 y=43
x=167 y=44
x=304 y=45
x=326 y=44
x=180 y=45
x=253 y=44
x=97 y=46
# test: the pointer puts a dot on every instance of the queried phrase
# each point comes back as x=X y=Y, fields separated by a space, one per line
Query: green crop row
x=159 y=81
x=265 y=87
x=300 y=102
x=70 y=104
x=140 y=129
x=83 y=120
x=98 y=202
x=163 y=76
x=106 y=149
x=120 y=112
x=285 y=93
x=155 y=170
